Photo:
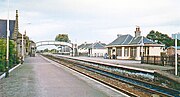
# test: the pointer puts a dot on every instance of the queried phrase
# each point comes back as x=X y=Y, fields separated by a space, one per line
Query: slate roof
x=80 y=46
x=130 y=40
x=122 y=40
x=85 y=45
x=138 y=40
x=96 y=45
x=3 y=28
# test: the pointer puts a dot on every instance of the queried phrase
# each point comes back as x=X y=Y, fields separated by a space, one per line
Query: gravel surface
x=37 y=77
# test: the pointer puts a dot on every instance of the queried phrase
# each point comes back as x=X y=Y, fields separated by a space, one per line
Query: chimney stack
x=85 y=43
x=137 y=32
x=118 y=35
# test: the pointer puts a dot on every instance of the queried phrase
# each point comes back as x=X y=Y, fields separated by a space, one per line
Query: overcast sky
x=93 y=20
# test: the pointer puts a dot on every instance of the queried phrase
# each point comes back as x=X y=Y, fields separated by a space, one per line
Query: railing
x=160 y=60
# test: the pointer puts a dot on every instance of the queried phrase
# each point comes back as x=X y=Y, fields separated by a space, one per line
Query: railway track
x=146 y=87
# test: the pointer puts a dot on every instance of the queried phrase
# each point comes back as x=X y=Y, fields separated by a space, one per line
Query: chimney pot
x=118 y=35
x=137 y=32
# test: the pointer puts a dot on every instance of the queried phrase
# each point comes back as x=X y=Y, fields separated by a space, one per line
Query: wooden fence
x=160 y=60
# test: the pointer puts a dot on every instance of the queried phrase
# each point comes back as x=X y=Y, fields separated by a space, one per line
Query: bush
x=2 y=68
x=13 y=60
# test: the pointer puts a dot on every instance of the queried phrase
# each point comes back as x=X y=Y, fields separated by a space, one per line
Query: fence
x=160 y=60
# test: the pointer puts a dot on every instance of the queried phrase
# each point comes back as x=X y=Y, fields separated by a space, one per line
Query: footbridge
x=58 y=43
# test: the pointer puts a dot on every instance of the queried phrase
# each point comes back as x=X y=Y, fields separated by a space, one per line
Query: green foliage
x=12 y=54
x=46 y=50
x=53 y=50
x=2 y=54
x=62 y=38
x=2 y=68
x=161 y=38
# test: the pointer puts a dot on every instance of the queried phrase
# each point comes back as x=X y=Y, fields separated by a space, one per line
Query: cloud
x=92 y=20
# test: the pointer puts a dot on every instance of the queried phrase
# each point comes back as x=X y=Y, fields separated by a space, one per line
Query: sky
x=93 y=20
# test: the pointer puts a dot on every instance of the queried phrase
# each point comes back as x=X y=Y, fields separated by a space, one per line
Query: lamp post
x=22 y=43
x=176 y=71
x=22 y=48
x=7 y=46
x=142 y=49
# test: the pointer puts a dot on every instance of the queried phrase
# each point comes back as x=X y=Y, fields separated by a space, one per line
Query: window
x=133 y=51
x=109 y=51
x=119 y=51
x=126 y=51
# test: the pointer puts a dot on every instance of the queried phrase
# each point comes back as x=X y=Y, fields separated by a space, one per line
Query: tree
x=53 y=50
x=46 y=50
x=161 y=38
x=151 y=35
x=62 y=38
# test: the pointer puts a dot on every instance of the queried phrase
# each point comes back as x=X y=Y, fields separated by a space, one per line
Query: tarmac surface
x=39 y=77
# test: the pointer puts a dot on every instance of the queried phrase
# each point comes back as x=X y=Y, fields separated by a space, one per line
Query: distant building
x=64 y=50
x=129 y=47
x=32 y=48
x=171 y=50
x=96 y=49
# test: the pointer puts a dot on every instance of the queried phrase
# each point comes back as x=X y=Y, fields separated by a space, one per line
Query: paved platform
x=39 y=77
x=127 y=63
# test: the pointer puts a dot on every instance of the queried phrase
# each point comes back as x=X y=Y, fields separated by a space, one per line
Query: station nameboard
x=174 y=36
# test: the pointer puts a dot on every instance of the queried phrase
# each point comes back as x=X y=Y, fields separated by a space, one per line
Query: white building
x=64 y=50
x=96 y=49
x=129 y=47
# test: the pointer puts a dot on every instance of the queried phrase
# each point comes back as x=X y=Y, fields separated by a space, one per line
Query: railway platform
x=126 y=63
x=131 y=64
x=40 y=77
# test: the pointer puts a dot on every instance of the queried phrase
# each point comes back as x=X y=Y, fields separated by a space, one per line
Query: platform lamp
x=142 y=47
x=7 y=46
x=22 y=43
x=22 y=47
x=176 y=69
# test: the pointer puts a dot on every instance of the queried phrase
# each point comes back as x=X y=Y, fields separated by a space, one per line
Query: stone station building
x=129 y=47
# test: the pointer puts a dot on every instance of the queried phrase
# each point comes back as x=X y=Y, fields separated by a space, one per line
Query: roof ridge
x=136 y=37
x=125 y=39
x=93 y=44
x=101 y=44
x=141 y=39
x=131 y=40
x=82 y=46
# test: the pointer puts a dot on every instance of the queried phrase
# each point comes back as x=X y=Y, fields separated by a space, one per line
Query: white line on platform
x=3 y=75
x=36 y=63
x=61 y=66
